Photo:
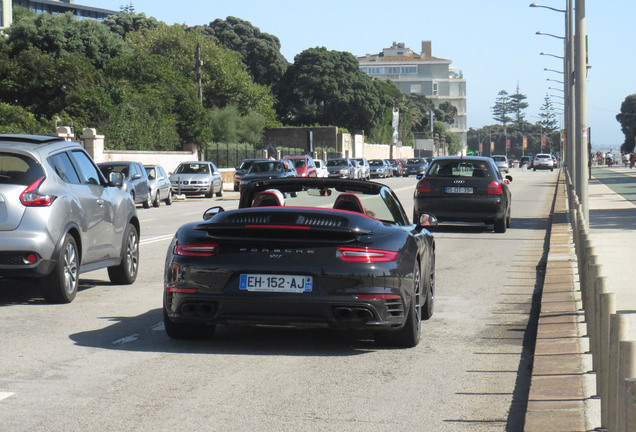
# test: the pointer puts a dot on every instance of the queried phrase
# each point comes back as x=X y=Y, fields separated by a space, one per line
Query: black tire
x=236 y=188
x=126 y=272
x=186 y=330
x=169 y=199
x=500 y=225
x=409 y=335
x=429 y=306
x=60 y=286
x=156 y=202
x=148 y=201
x=210 y=192
x=219 y=194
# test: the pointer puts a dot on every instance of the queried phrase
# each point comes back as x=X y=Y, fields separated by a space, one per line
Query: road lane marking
x=159 y=327
x=156 y=239
x=126 y=339
x=4 y=395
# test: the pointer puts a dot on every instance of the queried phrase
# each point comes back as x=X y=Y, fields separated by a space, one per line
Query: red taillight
x=203 y=249
x=494 y=188
x=423 y=186
x=31 y=197
x=365 y=255
x=181 y=290
x=377 y=297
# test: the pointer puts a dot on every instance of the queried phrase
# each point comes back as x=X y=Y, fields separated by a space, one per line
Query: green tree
x=517 y=105
x=16 y=119
x=260 y=52
x=128 y=21
x=547 y=118
x=328 y=88
x=61 y=34
x=502 y=108
x=627 y=119
x=446 y=112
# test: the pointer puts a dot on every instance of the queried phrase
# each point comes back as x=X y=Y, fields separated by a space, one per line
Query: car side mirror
x=211 y=212
x=419 y=176
x=136 y=176
x=509 y=178
x=116 y=179
x=426 y=220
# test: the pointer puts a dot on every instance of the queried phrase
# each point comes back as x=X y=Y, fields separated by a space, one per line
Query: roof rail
x=30 y=139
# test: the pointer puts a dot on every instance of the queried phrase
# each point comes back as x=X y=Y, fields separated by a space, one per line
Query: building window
x=435 y=89
x=416 y=88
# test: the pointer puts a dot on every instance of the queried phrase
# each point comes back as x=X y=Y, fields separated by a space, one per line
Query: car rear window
x=19 y=169
x=459 y=168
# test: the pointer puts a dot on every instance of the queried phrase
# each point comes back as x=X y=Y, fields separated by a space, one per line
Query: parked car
x=304 y=252
x=135 y=179
x=197 y=178
x=364 y=168
x=502 y=163
x=415 y=166
x=464 y=189
x=380 y=168
x=543 y=161
x=160 y=188
x=396 y=165
x=59 y=217
x=242 y=169
x=341 y=168
x=268 y=169
x=305 y=166
x=321 y=168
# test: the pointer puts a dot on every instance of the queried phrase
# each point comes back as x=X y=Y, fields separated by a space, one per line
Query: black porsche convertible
x=304 y=252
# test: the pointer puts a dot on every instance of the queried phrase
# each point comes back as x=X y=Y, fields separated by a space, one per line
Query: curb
x=559 y=384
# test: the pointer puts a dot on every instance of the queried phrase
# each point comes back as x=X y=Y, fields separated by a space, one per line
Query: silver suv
x=60 y=217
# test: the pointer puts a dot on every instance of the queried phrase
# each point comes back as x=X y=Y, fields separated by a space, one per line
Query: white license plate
x=276 y=283
x=459 y=190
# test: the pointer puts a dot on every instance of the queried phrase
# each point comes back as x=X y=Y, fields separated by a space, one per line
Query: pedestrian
x=625 y=159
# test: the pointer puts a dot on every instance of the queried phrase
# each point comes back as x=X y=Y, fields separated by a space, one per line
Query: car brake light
x=31 y=197
x=423 y=186
x=377 y=297
x=365 y=255
x=494 y=188
x=203 y=249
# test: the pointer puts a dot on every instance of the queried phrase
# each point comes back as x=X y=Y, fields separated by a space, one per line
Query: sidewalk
x=563 y=385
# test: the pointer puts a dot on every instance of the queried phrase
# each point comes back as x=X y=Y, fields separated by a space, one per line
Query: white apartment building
x=422 y=74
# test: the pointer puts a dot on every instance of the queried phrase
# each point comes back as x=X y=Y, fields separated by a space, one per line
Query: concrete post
x=607 y=308
x=626 y=369
x=618 y=331
x=630 y=401
x=94 y=144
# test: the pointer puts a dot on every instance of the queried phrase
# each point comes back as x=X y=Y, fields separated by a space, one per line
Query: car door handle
x=100 y=202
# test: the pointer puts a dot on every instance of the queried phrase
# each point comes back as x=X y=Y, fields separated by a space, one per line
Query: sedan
x=502 y=163
x=268 y=169
x=197 y=178
x=304 y=253
x=415 y=166
x=464 y=189
x=380 y=168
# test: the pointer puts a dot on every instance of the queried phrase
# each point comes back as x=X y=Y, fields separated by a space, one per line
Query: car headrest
x=269 y=198
x=348 y=201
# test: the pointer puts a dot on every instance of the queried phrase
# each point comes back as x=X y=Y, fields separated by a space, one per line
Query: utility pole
x=580 y=69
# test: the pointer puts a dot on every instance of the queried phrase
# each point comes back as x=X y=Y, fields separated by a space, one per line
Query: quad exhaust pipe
x=352 y=314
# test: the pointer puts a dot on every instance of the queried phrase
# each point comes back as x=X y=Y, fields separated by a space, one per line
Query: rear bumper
x=463 y=210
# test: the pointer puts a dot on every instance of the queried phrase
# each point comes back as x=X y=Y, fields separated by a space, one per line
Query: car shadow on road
x=25 y=291
x=145 y=333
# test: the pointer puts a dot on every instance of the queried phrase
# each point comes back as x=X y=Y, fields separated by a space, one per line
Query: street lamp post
x=568 y=78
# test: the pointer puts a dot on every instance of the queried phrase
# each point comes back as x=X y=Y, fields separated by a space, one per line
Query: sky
x=492 y=42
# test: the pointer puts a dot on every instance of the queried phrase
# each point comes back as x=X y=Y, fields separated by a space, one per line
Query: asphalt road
x=104 y=363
